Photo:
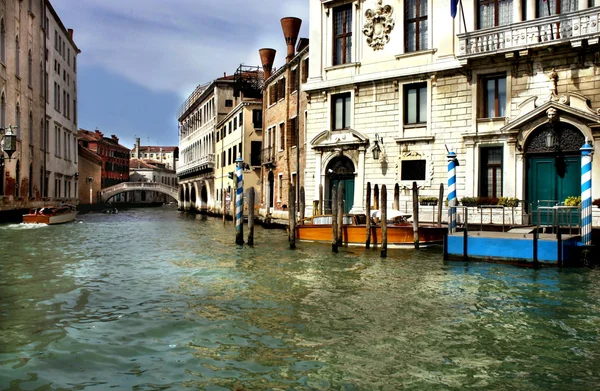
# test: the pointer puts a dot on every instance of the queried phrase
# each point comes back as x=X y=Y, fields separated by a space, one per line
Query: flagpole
x=462 y=12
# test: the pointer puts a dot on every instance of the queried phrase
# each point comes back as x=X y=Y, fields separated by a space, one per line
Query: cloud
x=172 y=46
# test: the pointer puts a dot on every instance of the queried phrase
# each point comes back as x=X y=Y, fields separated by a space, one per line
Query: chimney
x=70 y=31
x=115 y=138
x=137 y=147
x=267 y=56
x=291 y=28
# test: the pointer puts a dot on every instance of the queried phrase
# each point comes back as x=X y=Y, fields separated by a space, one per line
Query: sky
x=140 y=59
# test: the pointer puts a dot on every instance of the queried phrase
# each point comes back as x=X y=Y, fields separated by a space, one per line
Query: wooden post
x=383 y=221
x=396 y=197
x=415 y=207
x=302 y=204
x=334 y=245
x=440 y=203
x=320 y=200
x=315 y=208
x=251 y=216
x=340 y=213
x=292 y=216
x=376 y=197
x=535 y=246
x=368 y=206
x=559 y=259
x=238 y=210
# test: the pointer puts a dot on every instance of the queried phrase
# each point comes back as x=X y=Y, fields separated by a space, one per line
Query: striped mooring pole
x=586 y=194
x=239 y=202
x=452 y=201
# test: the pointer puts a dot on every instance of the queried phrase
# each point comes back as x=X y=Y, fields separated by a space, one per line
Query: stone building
x=38 y=171
x=150 y=170
x=510 y=89
x=90 y=174
x=165 y=155
x=284 y=118
x=115 y=157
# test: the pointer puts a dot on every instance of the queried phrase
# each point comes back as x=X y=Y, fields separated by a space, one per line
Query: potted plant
x=596 y=202
x=487 y=201
x=572 y=201
x=428 y=200
x=468 y=201
x=509 y=202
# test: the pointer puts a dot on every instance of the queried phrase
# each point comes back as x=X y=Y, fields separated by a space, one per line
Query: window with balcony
x=494 y=96
x=340 y=111
x=492 y=13
x=415 y=25
x=490 y=172
x=555 y=7
x=415 y=104
x=342 y=34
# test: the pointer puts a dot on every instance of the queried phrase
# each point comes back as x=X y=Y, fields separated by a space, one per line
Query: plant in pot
x=509 y=202
x=572 y=201
x=487 y=201
x=596 y=202
x=468 y=201
x=428 y=200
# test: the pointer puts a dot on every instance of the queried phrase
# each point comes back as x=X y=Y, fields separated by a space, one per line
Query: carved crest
x=379 y=25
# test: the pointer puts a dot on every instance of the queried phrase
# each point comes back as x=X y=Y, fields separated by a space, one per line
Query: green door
x=348 y=191
x=552 y=179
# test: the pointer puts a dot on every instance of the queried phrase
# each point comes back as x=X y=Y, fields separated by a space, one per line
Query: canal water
x=152 y=299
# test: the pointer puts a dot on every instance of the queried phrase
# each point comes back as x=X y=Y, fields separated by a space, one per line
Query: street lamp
x=376 y=148
x=9 y=143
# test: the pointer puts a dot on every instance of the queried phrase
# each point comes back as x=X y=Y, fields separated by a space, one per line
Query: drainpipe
x=45 y=90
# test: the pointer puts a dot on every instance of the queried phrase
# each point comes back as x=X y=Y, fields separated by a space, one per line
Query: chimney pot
x=70 y=31
x=291 y=28
x=267 y=56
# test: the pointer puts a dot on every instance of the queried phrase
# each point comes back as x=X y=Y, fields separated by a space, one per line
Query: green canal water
x=152 y=299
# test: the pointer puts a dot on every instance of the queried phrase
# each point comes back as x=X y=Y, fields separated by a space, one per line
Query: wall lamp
x=377 y=148
x=9 y=143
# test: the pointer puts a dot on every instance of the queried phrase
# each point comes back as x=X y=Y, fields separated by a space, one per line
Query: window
x=235 y=124
x=413 y=170
x=17 y=56
x=304 y=70
x=342 y=34
x=255 y=149
x=340 y=111
x=229 y=156
x=416 y=25
x=31 y=128
x=228 y=103
x=3 y=111
x=415 y=104
x=293 y=129
x=280 y=187
x=490 y=179
x=281 y=136
x=235 y=154
x=257 y=118
x=2 y=41
x=494 y=13
x=273 y=94
x=494 y=96
x=29 y=69
x=294 y=79
x=281 y=88
x=555 y=7
x=18 y=117
x=241 y=119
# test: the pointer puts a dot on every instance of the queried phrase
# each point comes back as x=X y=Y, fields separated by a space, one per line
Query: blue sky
x=140 y=59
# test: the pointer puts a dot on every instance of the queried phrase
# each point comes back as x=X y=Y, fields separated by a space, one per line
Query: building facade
x=150 y=170
x=90 y=173
x=167 y=156
x=115 y=157
x=284 y=118
x=492 y=84
x=27 y=178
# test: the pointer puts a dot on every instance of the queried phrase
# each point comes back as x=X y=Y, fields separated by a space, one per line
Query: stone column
x=359 y=183
x=531 y=10
x=583 y=4
x=517 y=11
x=318 y=157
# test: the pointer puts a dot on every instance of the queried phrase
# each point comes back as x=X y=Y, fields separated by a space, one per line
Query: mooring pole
x=559 y=246
x=340 y=214
x=368 y=223
x=292 y=216
x=334 y=242
x=586 y=194
x=440 y=203
x=535 y=246
x=239 y=203
x=396 y=197
x=302 y=204
x=376 y=197
x=452 y=201
x=251 y=216
x=315 y=208
x=320 y=200
x=415 y=207
x=383 y=221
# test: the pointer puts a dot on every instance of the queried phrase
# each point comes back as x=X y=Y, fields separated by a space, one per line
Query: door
x=348 y=198
x=550 y=180
x=271 y=200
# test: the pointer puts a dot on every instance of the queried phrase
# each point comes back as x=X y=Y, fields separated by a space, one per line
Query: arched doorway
x=340 y=169
x=193 y=196
x=553 y=166
x=271 y=193
x=203 y=198
x=181 y=194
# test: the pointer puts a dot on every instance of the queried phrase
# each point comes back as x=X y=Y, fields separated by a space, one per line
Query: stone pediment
x=344 y=139
x=536 y=109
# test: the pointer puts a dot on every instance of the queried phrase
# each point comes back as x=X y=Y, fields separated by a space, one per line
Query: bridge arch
x=108 y=192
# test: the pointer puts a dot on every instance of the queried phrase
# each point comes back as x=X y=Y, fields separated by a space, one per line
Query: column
x=359 y=183
x=583 y=4
x=586 y=194
x=517 y=11
x=530 y=9
x=452 y=191
x=318 y=157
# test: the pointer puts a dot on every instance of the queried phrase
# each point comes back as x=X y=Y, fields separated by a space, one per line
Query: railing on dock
x=560 y=217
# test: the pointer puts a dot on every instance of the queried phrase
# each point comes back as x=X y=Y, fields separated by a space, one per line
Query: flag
x=453 y=7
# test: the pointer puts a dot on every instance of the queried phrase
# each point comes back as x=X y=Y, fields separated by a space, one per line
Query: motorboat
x=51 y=215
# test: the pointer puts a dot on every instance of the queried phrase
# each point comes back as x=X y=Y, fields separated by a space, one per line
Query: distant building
x=167 y=155
x=149 y=170
x=115 y=157
x=90 y=173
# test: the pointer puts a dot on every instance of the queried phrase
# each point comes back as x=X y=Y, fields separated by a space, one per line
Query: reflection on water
x=152 y=299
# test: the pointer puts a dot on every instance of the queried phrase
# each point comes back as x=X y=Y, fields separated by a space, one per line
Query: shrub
x=573 y=201
x=468 y=201
x=509 y=202
x=428 y=200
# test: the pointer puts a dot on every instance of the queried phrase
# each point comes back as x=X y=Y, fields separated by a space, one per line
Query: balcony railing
x=570 y=27
x=268 y=155
x=204 y=162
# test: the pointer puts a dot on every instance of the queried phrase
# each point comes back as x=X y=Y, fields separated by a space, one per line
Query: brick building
x=115 y=157
x=284 y=117
x=407 y=79
x=90 y=175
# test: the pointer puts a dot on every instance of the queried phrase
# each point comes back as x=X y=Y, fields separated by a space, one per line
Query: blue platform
x=509 y=247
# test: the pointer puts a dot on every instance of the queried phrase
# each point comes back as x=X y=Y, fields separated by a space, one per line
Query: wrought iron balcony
x=268 y=156
x=573 y=27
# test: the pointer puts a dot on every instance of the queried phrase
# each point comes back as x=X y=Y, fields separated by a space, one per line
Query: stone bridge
x=109 y=192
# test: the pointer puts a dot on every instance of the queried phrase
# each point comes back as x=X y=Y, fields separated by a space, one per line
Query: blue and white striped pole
x=586 y=194
x=239 y=202
x=452 y=202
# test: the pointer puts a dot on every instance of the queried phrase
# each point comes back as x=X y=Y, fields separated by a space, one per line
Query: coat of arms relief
x=379 y=25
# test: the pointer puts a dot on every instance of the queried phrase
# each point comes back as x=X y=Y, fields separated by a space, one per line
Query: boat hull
x=50 y=219
x=398 y=235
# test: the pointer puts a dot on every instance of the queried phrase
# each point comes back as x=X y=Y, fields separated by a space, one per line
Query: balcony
x=202 y=165
x=573 y=27
x=268 y=156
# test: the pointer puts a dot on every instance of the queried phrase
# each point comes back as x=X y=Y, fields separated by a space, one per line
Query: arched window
x=17 y=56
x=42 y=84
x=18 y=119
x=30 y=128
x=29 y=69
x=2 y=41
x=42 y=136
x=3 y=111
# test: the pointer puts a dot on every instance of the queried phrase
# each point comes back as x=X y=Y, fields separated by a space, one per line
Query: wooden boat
x=354 y=231
x=50 y=215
